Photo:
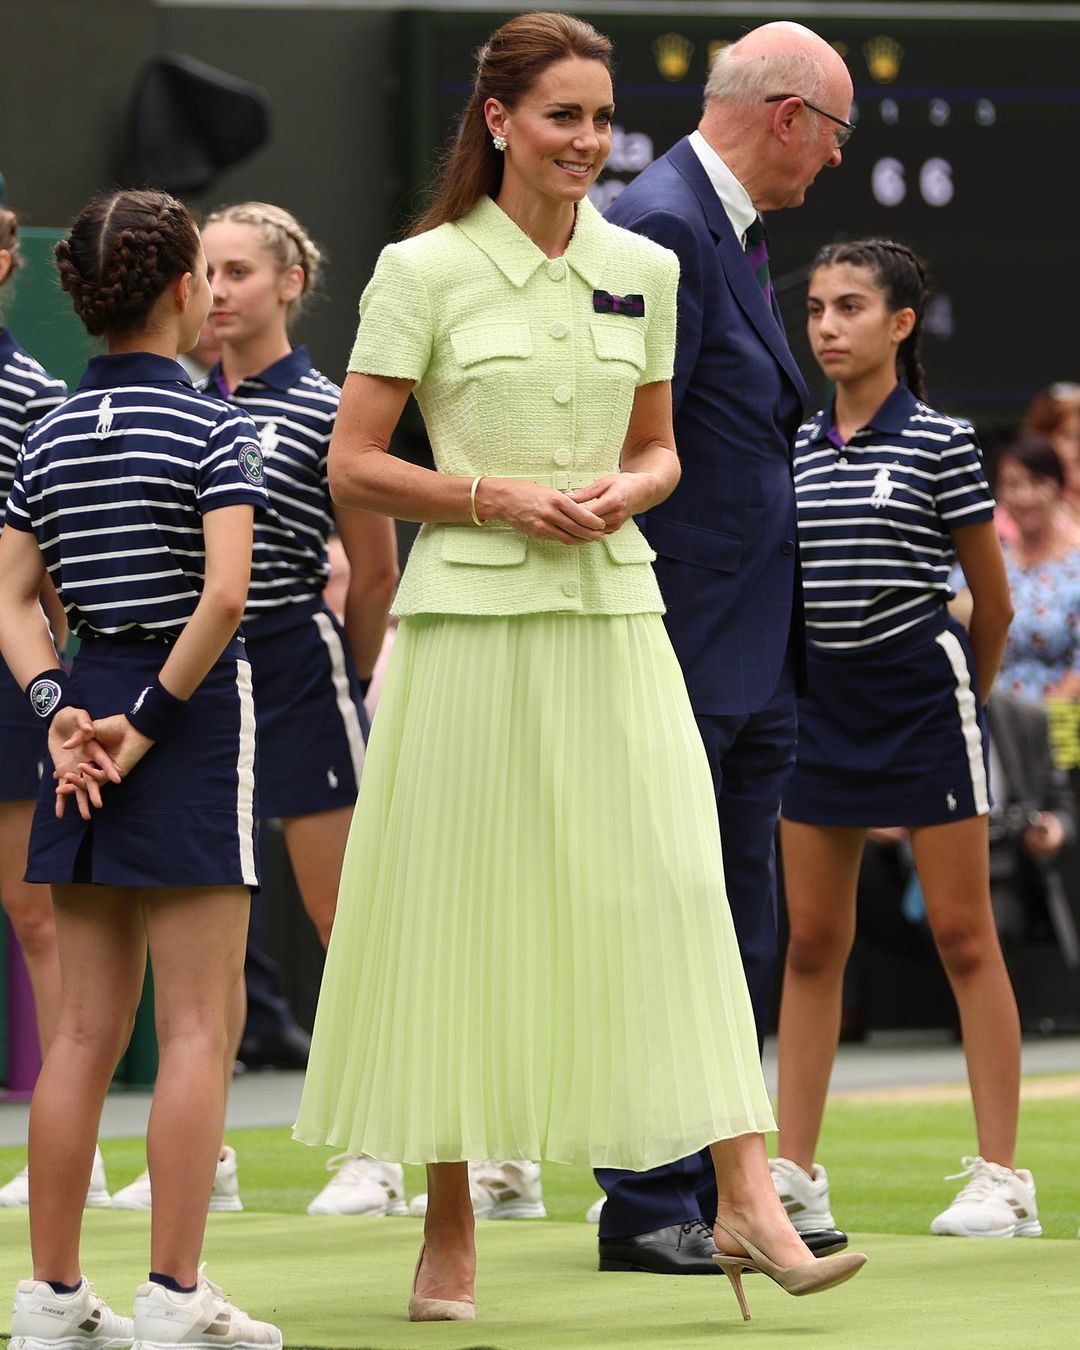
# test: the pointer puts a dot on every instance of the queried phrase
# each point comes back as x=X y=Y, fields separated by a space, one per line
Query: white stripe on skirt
x=245 y=775
x=969 y=721
x=342 y=691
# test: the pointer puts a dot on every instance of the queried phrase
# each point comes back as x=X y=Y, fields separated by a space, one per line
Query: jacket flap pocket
x=619 y=340
x=628 y=545
x=693 y=544
x=483 y=547
x=490 y=341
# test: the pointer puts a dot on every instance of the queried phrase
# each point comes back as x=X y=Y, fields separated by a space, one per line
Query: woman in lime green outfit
x=533 y=955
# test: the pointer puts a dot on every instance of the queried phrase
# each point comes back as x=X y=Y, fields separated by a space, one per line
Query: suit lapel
x=744 y=285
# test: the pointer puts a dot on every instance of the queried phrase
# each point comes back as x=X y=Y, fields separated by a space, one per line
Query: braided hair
x=903 y=278
x=124 y=249
x=9 y=237
x=279 y=231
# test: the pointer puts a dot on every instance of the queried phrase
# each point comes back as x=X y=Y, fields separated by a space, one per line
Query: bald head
x=776 y=145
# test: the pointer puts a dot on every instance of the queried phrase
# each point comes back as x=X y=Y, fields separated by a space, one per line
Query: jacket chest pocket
x=620 y=362
x=480 y=348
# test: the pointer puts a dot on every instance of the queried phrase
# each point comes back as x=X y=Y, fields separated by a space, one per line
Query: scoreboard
x=965 y=149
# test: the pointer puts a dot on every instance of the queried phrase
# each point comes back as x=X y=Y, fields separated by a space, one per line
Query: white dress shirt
x=733 y=196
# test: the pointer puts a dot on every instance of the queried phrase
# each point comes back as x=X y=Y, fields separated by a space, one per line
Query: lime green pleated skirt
x=533 y=955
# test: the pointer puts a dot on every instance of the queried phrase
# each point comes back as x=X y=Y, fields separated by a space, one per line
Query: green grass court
x=344 y=1282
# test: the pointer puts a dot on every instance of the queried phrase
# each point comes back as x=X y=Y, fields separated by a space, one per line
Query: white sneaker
x=500 y=1190
x=362 y=1186
x=224 y=1196
x=995 y=1203
x=44 y=1320
x=592 y=1214
x=805 y=1195
x=201 y=1319
x=16 y=1194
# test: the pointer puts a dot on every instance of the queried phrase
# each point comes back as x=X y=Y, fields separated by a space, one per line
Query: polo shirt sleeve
x=395 y=334
x=660 y=334
x=17 y=511
x=961 y=492
x=231 y=471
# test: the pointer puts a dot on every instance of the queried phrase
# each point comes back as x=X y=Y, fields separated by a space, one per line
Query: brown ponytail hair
x=9 y=238
x=123 y=251
x=507 y=67
x=903 y=278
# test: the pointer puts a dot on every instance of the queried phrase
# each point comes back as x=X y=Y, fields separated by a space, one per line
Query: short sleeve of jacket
x=961 y=492
x=660 y=335
x=231 y=471
x=395 y=334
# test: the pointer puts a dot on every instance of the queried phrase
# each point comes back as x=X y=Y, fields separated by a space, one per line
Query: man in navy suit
x=776 y=109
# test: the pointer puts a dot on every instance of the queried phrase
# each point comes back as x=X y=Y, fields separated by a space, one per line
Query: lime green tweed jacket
x=519 y=373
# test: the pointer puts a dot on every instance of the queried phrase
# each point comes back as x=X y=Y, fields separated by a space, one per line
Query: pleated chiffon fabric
x=533 y=955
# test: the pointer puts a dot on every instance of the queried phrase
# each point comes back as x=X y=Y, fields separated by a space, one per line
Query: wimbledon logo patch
x=251 y=463
x=44 y=696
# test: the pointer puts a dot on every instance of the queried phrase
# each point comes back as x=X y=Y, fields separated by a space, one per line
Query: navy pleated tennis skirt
x=22 y=743
x=311 y=719
x=185 y=815
x=893 y=734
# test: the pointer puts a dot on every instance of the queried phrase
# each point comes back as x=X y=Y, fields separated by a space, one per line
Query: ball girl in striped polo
x=892 y=730
x=27 y=392
x=306 y=669
x=137 y=496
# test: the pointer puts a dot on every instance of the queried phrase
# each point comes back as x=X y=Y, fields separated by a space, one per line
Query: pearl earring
x=499 y=142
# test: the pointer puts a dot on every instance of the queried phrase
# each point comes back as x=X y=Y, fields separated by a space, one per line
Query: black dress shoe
x=825 y=1241
x=682 y=1249
x=288 y=1050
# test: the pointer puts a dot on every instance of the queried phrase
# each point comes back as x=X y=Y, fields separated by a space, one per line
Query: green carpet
x=344 y=1283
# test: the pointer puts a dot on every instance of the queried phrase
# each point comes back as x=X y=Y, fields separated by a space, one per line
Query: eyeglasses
x=846 y=128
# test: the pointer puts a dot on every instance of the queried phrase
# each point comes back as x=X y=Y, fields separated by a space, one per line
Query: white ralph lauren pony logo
x=105 y=418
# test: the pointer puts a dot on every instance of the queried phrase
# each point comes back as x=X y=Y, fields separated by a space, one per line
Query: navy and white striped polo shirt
x=27 y=393
x=875 y=517
x=294 y=407
x=114 y=484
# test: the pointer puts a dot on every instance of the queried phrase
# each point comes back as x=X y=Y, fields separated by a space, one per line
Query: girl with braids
x=27 y=392
x=137 y=497
x=536 y=800
x=892 y=729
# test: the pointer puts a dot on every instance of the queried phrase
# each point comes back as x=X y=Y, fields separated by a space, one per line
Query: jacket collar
x=281 y=375
x=106 y=372
x=515 y=254
x=743 y=283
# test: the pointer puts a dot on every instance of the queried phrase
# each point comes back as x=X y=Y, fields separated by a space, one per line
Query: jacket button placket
x=563 y=394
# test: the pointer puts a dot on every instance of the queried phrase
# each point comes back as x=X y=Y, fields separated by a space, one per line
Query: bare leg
x=821 y=872
x=747 y=1201
x=234 y=1030
x=102 y=951
x=316 y=847
x=953 y=862
x=449 y=1267
x=197 y=938
x=29 y=907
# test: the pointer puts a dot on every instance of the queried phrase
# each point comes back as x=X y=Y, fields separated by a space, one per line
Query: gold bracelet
x=472 y=500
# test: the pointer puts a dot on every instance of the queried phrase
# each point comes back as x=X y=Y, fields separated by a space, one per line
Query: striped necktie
x=757 y=255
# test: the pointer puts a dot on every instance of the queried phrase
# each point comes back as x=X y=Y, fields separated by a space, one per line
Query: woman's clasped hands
x=578 y=517
x=87 y=754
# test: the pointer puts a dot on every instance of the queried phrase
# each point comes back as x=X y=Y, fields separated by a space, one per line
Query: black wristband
x=47 y=693
x=154 y=711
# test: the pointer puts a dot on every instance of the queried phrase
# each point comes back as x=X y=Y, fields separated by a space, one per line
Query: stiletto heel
x=438 y=1309
x=732 y=1268
x=806 y=1277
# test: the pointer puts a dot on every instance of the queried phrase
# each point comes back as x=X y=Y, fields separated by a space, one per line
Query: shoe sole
x=1022 y=1230
x=225 y=1204
x=519 y=1211
x=119 y=1202
x=69 y=1343
x=98 y=1200
x=202 y=1345
x=608 y=1263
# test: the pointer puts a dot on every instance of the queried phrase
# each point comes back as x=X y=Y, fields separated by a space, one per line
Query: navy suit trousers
x=750 y=757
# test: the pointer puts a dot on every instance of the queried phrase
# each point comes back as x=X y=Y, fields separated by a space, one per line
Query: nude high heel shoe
x=807 y=1277
x=438 y=1309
